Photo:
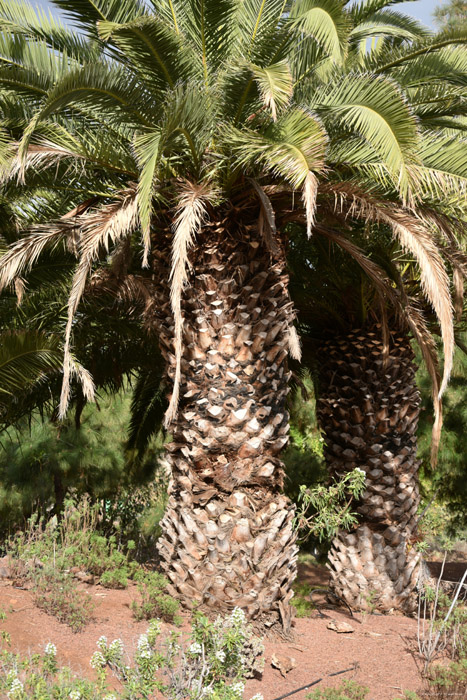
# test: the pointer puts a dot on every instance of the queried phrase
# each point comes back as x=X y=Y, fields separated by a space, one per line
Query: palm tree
x=205 y=127
x=357 y=315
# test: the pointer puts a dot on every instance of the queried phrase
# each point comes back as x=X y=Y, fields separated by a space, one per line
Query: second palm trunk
x=227 y=535
x=368 y=409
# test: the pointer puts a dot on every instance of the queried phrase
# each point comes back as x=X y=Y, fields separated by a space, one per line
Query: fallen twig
x=309 y=685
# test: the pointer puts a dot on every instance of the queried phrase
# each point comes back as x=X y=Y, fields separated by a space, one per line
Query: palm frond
x=190 y=215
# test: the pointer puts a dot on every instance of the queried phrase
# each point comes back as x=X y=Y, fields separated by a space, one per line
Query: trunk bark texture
x=368 y=409
x=227 y=533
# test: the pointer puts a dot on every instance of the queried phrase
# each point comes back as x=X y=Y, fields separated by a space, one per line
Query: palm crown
x=214 y=93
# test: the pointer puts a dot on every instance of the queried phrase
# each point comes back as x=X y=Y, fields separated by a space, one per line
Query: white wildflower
x=102 y=643
x=362 y=471
x=50 y=649
x=16 y=689
x=207 y=692
x=116 y=647
x=238 y=688
x=220 y=655
x=110 y=697
x=195 y=649
x=75 y=695
x=97 y=660
x=144 y=648
x=238 y=616
x=258 y=696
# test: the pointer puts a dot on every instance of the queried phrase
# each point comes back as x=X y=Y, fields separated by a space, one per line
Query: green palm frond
x=390 y=24
x=158 y=54
x=365 y=9
x=17 y=17
x=324 y=21
x=290 y=149
x=86 y=13
x=25 y=357
x=377 y=111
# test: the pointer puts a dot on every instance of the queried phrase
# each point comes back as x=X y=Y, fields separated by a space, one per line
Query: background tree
x=451 y=15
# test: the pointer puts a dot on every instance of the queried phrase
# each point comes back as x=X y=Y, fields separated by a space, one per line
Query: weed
x=155 y=602
x=442 y=622
x=347 y=690
x=301 y=600
x=56 y=593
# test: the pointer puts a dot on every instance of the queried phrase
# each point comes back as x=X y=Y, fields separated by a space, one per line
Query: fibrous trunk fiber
x=227 y=535
x=368 y=410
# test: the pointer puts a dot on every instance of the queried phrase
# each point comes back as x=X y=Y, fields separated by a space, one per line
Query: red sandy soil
x=384 y=648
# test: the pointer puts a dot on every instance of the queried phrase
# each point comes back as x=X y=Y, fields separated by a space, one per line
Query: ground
x=383 y=648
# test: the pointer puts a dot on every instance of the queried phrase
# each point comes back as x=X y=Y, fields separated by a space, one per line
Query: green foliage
x=42 y=462
x=446 y=682
x=323 y=511
x=451 y=14
x=154 y=600
x=213 y=662
x=347 y=690
x=49 y=552
x=303 y=459
x=56 y=593
x=301 y=600
x=448 y=481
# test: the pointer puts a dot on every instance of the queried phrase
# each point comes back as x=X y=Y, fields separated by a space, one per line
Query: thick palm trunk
x=368 y=410
x=227 y=533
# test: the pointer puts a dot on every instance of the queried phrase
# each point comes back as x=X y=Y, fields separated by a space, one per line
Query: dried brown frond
x=415 y=237
x=99 y=228
x=295 y=348
x=39 y=155
x=24 y=253
x=310 y=191
x=266 y=216
x=20 y=288
x=189 y=217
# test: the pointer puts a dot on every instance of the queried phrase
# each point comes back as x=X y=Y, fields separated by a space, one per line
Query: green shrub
x=347 y=690
x=447 y=682
x=57 y=594
x=155 y=602
x=301 y=600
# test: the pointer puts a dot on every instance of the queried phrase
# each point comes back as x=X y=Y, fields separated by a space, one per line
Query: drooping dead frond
x=267 y=216
x=23 y=254
x=190 y=214
x=295 y=348
x=38 y=156
x=20 y=288
x=109 y=224
x=77 y=289
x=310 y=191
x=416 y=238
x=99 y=228
x=458 y=284
x=427 y=347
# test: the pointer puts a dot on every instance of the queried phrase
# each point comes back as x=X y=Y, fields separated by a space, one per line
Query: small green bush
x=56 y=593
x=155 y=602
x=301 y=600
x=347 y=690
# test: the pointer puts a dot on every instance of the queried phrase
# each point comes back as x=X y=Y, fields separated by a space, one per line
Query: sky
x=421 y=9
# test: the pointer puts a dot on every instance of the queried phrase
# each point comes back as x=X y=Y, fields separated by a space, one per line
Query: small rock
x=84 y=577
x=340 y=627
x=4 y=573
x=283 y=663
